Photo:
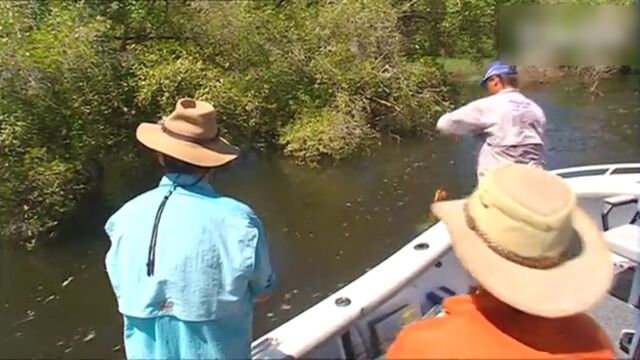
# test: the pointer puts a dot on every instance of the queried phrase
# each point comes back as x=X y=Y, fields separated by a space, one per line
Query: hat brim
x=483 y=82
x=217 y=153
x=572 y=287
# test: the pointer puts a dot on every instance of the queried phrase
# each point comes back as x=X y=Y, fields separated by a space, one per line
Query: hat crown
x=193 y=118
x=543 y=195
x=498 y=68
x=525 y=211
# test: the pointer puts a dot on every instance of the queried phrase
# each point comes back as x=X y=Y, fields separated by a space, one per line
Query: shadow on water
x=325 y=226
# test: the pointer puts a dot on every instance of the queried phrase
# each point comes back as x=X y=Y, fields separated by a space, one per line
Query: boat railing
x=599 y=170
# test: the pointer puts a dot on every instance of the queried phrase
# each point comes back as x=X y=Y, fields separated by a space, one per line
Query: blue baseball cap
x=498 y=68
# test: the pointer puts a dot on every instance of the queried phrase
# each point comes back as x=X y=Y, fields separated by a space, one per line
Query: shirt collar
x=508 y=90
x=186 y=181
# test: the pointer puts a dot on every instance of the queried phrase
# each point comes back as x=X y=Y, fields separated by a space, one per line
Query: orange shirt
x=481 y=327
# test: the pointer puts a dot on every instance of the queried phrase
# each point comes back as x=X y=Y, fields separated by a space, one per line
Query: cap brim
x=216 y=153
x=567 y=289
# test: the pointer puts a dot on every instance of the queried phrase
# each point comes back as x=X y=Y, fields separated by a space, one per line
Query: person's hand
x=440 y=195
x=262 y=298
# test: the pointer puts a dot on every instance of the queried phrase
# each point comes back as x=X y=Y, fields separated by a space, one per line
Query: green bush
x=56 y=100
x=462 y=29
x=449 y=28
x=418 y=93
x=315 y=79
x=340 y=131
x=265 y=67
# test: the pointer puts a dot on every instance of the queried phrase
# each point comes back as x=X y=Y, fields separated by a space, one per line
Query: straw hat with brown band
x=190 y=134
x=522 y=236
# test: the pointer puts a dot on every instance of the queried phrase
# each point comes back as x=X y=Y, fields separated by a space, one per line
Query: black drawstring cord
x=151 y=259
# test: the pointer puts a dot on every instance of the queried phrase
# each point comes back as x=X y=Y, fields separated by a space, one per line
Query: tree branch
x=145 y=38
x=385 y=103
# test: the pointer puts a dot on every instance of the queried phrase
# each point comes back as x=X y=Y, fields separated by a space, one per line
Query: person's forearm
x=466 y=120
x=456 y=125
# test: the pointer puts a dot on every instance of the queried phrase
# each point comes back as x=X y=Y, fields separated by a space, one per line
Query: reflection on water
x=325 y=226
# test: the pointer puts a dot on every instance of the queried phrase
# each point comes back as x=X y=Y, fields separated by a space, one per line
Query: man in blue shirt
x=186 y=263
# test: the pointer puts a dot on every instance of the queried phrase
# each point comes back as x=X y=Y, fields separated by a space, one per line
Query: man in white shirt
x=509 y=125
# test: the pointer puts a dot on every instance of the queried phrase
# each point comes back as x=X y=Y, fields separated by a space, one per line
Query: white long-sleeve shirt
x=510 y=126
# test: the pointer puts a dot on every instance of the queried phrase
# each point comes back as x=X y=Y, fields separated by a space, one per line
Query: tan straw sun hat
x=190 y=134
x=524 y=239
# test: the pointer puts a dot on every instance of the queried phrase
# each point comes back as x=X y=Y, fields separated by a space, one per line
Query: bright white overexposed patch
x=569 y=35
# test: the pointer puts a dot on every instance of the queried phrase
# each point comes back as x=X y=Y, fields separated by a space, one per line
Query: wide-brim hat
x=190 y=134
x=522 y=236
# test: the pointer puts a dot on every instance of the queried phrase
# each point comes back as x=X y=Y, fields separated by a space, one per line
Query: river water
x=325 y=226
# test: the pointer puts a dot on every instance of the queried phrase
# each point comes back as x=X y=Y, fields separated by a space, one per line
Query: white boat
x=361 y=320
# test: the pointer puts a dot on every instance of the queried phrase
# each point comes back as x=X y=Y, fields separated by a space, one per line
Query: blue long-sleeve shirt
x=211 y=261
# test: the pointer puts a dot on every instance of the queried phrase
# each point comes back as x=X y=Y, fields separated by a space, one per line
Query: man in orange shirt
x=541 y=263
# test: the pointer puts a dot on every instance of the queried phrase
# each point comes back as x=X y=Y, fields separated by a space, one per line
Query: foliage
x=340 y=130
x=56 y=99
x=449 y=28
x=270 y=67
x=463 y=29
x=317 y=79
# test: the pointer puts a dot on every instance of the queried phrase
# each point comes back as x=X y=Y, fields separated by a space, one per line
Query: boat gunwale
x=609 y=169
x=405 y=260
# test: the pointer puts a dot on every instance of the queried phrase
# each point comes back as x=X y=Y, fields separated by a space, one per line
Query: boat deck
x=614 y=314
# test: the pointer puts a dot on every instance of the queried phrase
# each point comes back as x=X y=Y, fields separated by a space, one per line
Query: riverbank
x=471 y=71
x=462 y=71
